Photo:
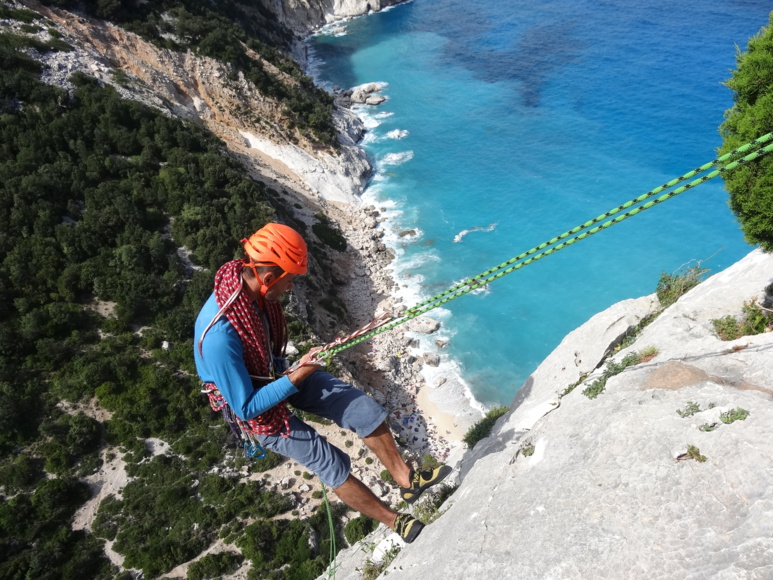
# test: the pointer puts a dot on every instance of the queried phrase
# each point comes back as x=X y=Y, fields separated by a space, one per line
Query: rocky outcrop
x=644 y=481
x=339 y=176
x=205 y=91
x=304 y=16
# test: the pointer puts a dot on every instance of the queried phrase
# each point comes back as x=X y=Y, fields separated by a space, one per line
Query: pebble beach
x=393 y=366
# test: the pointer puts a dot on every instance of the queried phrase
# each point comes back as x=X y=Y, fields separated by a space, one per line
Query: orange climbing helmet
x=277 y=245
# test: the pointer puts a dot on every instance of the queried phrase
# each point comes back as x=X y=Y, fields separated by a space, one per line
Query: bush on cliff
x=482 y=428
x=751 y=185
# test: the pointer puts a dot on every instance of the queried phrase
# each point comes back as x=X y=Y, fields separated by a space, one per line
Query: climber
x=240 y=342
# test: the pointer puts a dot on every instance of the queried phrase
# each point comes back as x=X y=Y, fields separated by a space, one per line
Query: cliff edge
x=650 y=479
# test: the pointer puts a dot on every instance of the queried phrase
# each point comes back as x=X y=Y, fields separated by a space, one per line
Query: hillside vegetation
x=96 y=196
x=114 y=220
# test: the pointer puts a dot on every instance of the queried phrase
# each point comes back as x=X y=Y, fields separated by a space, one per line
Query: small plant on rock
x=671 y=287
x=428 y=508
x=482 y=428
x=429 y=463
x=689 y=410
x=692 y=453
x=613 y=368
x=372 y=570
x=754 y=320
x=647 y=354
x=737 y=414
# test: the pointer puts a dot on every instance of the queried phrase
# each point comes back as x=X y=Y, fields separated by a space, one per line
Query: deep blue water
x=516 y=121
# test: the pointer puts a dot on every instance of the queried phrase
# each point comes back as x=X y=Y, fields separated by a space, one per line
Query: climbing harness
x=388 y=321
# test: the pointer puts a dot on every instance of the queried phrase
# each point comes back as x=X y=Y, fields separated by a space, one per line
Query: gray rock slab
x=572 y=487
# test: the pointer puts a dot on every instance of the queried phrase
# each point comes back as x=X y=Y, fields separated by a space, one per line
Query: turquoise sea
x=508 y=123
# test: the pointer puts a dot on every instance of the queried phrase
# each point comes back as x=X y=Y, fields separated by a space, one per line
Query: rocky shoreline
x=390 y=365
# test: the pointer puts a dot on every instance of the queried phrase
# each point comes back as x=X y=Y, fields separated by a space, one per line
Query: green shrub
x=482 y=428
x=673 y=286
x=328 y=234
x=386 y=476
x=30 y=28
x=307 y=417
x=334 y=306
x=595 y=388
x=270 y=461
x=751 y=197
x=727 y=328
x=358 y=528
x=648 y=353
x=371 y=571
x=754 y=320
x=428 y=508
x=20 y=14
x=214 y=566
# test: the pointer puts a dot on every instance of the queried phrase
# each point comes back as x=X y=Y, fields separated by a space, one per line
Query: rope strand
x=388 y=321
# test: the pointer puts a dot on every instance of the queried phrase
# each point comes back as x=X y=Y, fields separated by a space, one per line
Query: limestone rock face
x=203 y=91
x=304 y=16
x=623 y=486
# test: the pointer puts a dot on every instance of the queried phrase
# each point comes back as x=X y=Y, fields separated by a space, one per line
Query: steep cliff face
x=203 y=90
x=304 y=16
x=651 y=479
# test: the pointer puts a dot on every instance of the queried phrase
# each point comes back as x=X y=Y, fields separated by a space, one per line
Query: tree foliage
x=751 y=185
x=98 y=197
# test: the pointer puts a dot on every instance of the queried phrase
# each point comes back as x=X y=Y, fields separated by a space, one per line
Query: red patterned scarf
x=246 y=319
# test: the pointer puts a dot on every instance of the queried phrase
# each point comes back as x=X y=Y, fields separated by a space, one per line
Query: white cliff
x=304 y=16
x=614 y=487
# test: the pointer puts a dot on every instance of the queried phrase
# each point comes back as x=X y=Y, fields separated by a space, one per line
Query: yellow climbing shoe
x=408 y=527
x=421 y=480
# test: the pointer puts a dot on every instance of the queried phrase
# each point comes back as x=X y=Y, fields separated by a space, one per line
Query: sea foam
x=490 y=228
x=397 y=134
x=396 y=158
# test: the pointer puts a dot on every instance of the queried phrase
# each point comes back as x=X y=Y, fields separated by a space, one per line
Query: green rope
x=542 y=250
x=332 y=567
x=610 y=213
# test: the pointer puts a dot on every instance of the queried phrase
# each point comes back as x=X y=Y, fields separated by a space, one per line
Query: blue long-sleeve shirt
x=222 y=363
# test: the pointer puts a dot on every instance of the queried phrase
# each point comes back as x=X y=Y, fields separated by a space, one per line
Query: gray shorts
x=348 y=407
